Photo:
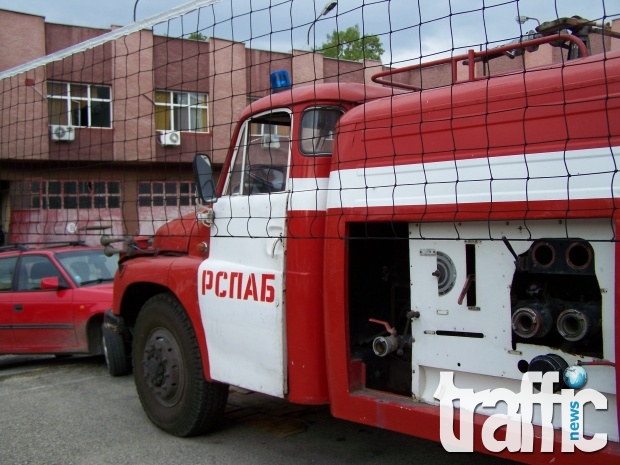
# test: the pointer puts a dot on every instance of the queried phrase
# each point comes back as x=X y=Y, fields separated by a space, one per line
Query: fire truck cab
x=362 y=241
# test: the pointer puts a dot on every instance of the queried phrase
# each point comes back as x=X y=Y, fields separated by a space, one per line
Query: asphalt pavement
x=70 y=411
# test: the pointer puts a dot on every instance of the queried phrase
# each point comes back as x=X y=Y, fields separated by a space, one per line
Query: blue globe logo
x=575 y=377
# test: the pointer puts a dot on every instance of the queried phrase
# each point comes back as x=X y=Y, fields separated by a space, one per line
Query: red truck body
x=352 y=259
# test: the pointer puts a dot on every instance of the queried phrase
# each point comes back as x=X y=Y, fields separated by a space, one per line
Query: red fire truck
x=362 y=241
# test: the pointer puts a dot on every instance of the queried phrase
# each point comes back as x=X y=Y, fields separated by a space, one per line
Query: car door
x=7 y=274
x=42 y=318
x=242 y=288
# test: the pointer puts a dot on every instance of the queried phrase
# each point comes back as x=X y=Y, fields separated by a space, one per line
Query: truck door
x=242 y=289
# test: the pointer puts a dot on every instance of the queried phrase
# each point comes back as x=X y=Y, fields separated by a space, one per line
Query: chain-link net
x=405 y=113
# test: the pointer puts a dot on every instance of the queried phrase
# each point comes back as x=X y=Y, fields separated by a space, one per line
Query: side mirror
x=203 y=175
x=51 y=283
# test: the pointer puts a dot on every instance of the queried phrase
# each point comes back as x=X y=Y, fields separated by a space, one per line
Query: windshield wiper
x=96 y=281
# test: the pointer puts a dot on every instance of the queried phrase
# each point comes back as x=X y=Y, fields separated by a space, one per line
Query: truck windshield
x=318 y=126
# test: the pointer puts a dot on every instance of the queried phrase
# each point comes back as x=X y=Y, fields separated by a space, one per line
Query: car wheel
x=168 y=371
x=115 y=353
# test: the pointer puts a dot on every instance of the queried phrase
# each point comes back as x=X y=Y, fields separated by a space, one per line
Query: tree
x=197 y=36
x=348 y=45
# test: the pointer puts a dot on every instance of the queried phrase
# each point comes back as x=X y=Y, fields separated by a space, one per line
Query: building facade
x=102 y=140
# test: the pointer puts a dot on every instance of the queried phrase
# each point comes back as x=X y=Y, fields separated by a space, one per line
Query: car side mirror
x=203 y=175
x=50 y=283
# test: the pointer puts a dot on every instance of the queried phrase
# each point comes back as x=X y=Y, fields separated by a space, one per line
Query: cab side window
x=7 y=271
x=261 y=157
x=318 y=127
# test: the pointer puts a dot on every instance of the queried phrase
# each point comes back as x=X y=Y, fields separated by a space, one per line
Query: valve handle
x=389 y=329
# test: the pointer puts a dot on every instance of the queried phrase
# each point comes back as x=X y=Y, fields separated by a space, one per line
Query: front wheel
x=168 y=371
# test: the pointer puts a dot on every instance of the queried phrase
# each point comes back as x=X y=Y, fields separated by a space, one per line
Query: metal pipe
x=107 y=240
x=532 y=321
x=574 y=324
x=384 y=345
x=492 y=53
x=108 y=251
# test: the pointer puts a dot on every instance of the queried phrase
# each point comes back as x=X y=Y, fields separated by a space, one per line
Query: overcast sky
x=408 y=28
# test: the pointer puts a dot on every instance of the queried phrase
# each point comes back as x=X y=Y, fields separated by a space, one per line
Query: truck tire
x=168 y=371
x=115 y=353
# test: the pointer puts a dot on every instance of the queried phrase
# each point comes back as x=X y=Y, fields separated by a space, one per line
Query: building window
x=166 y=194
x=181 y=111
x=67 y=195
x=82 y=105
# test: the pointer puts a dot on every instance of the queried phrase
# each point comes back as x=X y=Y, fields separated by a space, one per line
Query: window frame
x=11 y=283
x=26 y=262
x=172 y=107
x=69 y=99
x=85 y=189
x=330 y=136
x=246 y=139
x=165 y=194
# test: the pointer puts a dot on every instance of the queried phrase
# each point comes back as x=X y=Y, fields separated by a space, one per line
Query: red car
x=52 y=299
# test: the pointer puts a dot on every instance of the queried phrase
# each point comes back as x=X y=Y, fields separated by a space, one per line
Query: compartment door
x=460 y=328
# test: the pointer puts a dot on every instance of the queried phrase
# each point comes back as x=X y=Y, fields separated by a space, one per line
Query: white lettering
x=518 y=419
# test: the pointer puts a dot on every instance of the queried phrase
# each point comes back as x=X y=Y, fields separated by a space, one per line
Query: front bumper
x=113 y=322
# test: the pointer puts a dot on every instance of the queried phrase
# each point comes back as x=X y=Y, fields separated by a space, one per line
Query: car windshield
x=88 y=266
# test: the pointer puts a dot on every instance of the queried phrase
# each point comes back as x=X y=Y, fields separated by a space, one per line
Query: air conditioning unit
x=169 y=137
x=61 y=133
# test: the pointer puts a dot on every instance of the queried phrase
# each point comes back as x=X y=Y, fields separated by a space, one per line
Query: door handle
x=273 y=247
x=18 y=307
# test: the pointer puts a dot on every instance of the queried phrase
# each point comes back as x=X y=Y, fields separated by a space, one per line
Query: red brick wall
x=342 y=71
x=22 y=37
x=260 y=64
x=180 y=64
x=61 y=36
x=228 y=92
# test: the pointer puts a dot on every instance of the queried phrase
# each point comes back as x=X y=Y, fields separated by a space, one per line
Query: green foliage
x=348 y=45
x=197 y=36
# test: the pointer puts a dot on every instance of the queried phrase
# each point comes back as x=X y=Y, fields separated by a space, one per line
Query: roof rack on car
x=57 y=244
x=8 y=247
x=23 y=246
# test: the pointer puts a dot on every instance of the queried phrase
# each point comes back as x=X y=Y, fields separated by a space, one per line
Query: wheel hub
x=163 y=371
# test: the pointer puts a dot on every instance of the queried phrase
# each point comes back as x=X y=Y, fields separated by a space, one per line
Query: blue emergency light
x=280 y=80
